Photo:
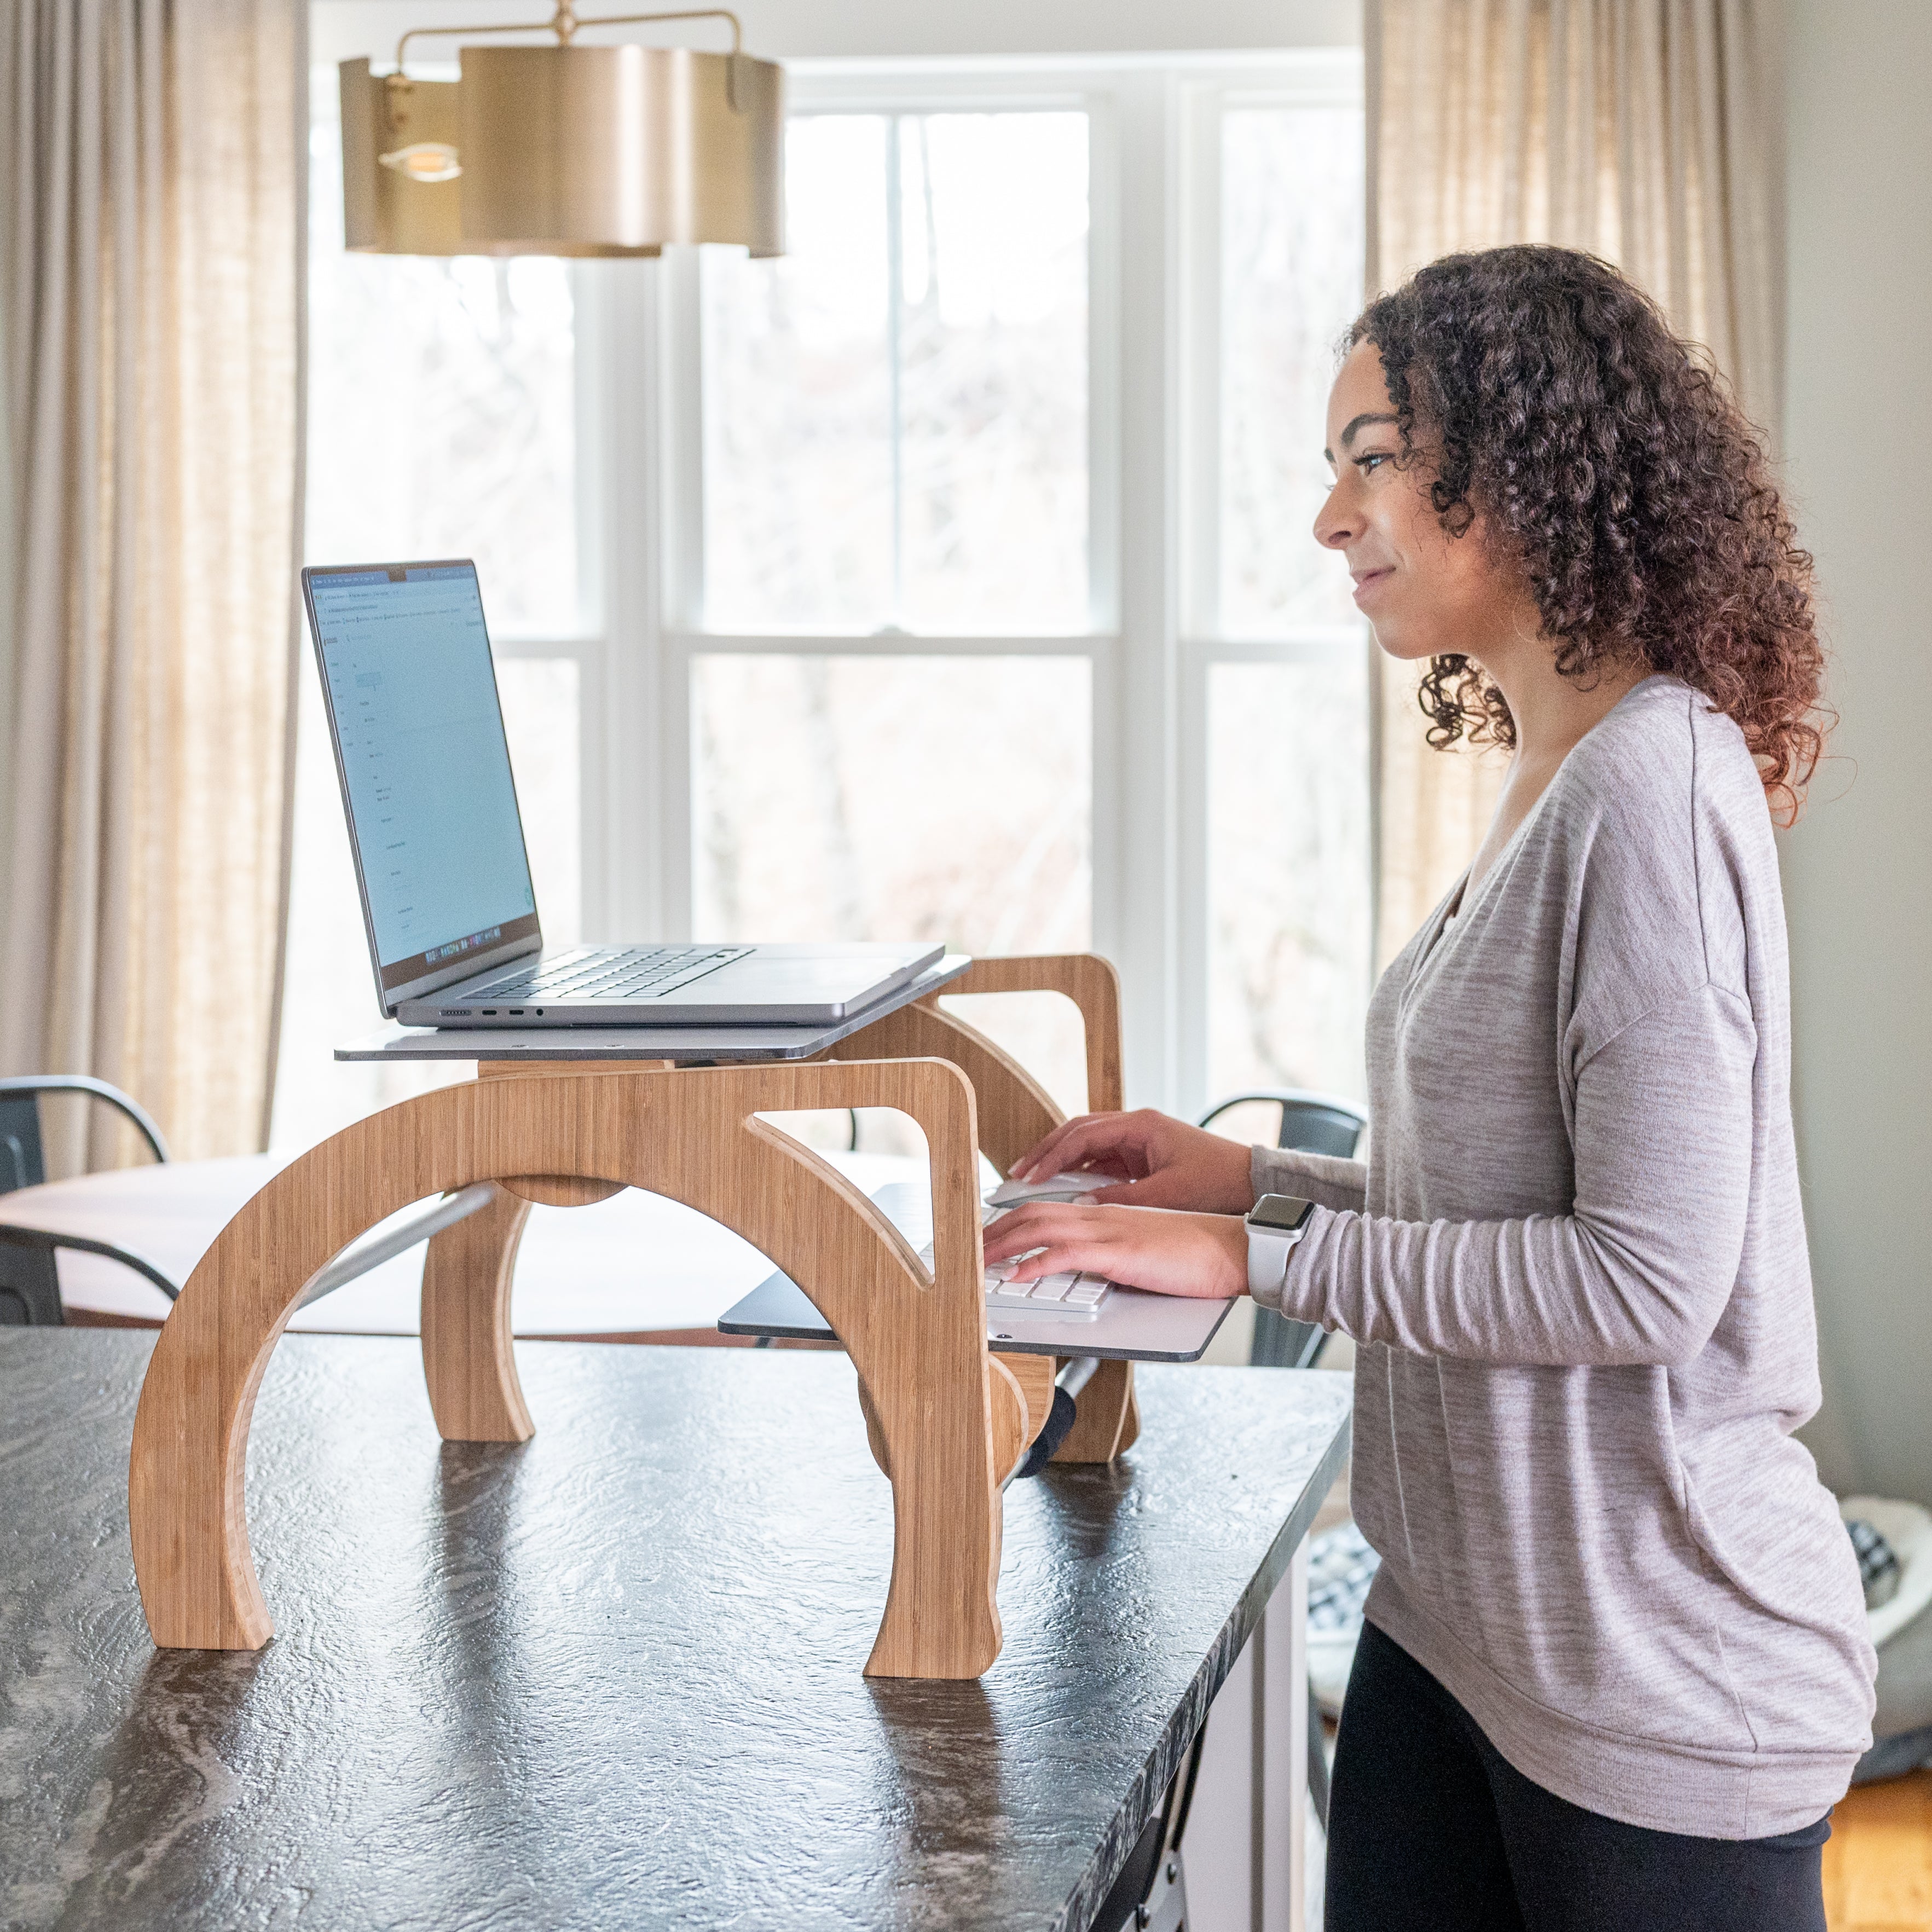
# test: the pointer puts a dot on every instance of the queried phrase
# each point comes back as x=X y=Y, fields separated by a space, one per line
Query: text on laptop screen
x=426 y=769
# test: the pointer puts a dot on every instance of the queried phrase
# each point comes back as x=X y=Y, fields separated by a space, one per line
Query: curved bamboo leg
x=1022 y=1399
x=468 y=1360
x=918 y=1342
x=555 y=1190
x=1106 y=1417
x=1086 y=979
x=1013 y=1112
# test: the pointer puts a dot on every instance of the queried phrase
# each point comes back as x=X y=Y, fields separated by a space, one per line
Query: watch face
x=1285 y=1212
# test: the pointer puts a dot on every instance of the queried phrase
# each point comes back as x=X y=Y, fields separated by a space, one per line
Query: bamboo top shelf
x=705 y=1046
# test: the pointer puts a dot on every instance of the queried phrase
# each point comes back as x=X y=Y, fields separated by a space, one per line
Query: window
x=1282 y=662
x=947 y=577
x=896 y=412
x=868 y=797
x=1291 y=281
x=442 y=421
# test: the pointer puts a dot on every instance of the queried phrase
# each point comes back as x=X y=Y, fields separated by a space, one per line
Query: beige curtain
x=151 y=233
x=1648 y=131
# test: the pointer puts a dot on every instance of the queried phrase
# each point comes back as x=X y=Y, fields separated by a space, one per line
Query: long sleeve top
x=1574 y=1265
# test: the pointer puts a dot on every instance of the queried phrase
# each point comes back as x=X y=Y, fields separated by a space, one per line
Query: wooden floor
x=1878 y=1862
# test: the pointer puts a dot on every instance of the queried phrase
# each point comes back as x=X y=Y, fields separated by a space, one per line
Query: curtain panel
x=151 y=227
x=1649 y=132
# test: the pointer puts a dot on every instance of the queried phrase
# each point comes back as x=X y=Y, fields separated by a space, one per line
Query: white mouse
x=1054 y=1187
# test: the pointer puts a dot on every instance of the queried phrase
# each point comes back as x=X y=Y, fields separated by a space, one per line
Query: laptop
x=438 y=839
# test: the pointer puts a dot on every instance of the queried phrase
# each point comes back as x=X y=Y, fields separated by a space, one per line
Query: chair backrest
x=22 y=1161
x=1310 y=1123
x=29 y=1277
x=23 y=1152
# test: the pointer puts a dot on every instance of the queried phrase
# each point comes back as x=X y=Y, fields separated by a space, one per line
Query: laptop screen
x=412 y=697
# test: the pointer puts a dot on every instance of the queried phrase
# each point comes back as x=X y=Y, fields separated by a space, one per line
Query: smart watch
x=1275 y=1223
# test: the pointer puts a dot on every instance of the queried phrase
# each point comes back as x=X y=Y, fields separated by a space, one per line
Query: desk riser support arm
x=1015 y=1113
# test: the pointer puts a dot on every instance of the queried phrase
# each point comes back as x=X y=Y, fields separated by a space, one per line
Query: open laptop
x=438 y=841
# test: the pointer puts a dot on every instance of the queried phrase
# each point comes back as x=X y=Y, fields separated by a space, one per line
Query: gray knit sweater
x=1575 y=1265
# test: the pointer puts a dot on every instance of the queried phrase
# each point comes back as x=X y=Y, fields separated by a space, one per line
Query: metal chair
x=1310 y=1123
x=30 y=1294
x=29 y=1279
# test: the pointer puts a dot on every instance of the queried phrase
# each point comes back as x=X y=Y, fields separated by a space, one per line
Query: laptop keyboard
x=613 y=972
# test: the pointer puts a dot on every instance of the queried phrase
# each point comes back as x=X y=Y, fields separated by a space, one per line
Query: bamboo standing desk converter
x=948 y=1419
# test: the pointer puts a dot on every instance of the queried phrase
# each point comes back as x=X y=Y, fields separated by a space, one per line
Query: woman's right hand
x=1161 y=1161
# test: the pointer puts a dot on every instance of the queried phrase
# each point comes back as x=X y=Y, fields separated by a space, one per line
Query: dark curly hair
x=1605 y=456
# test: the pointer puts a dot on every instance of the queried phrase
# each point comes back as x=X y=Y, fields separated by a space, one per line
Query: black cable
x=1059 y=1423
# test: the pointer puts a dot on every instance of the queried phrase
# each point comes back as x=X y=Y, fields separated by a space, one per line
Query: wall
x=1857 y=870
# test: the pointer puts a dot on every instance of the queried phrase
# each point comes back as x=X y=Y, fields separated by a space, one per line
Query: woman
x=1616 y=1672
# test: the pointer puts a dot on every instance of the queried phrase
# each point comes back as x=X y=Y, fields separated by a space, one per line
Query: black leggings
x=1430 y=1828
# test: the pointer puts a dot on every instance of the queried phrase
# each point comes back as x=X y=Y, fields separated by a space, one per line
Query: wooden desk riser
x=947 y=1419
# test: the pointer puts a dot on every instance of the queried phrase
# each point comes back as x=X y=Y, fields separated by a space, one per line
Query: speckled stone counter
x=610 y=1677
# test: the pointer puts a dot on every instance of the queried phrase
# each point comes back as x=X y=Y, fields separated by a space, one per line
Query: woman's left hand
x=1203 y=1255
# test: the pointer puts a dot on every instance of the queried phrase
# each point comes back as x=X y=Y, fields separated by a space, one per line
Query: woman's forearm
x=1552 y=1292
x=1324 y=1179
x=1640 y=1269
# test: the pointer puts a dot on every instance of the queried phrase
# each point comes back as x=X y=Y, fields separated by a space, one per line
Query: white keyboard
x=1071 y=1297
x=1067 y=1297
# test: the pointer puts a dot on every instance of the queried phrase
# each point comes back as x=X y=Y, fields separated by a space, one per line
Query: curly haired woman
x=1616 y=1672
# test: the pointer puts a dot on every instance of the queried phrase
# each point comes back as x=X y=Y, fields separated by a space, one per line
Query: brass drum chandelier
x=565 y=150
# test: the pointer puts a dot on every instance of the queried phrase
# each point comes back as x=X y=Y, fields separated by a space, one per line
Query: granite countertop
x=610 y=1677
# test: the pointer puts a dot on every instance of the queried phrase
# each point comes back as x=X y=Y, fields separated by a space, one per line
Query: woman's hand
x=1161 y=1161
x=1204 y=1255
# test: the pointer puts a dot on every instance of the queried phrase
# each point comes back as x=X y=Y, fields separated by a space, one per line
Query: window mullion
x=591 y=291
x=1197 y=553
x=1201 y=362
x=640 y=795
x=682 y=395
x=1103 y=513
x=895 y=351
x=1146 y=805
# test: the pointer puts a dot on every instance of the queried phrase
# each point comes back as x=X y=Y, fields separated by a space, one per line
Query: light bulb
x=424 y=161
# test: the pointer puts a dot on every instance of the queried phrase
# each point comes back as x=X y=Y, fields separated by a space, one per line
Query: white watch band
x=1269 y=1249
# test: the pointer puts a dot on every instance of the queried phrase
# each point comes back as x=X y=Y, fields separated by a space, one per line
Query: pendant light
x=565 y=150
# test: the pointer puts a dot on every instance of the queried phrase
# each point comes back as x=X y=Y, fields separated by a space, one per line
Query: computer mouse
x=1054 y=1187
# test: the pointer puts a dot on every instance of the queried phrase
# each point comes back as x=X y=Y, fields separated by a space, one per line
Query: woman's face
x=1426 y=593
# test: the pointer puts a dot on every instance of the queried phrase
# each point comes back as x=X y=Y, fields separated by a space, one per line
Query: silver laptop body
x=437 y=835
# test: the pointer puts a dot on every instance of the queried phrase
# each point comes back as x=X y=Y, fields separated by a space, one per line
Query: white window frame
x=1153 y=634
x=1310 y=80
